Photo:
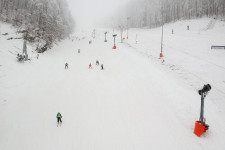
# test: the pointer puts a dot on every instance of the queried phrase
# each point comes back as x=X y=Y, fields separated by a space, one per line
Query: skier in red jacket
x=90 y=66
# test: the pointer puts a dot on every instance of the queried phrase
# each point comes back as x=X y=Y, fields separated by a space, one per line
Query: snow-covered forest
x=152 y=13
x=42 y=22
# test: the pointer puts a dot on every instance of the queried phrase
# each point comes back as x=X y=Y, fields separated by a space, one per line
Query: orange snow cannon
x=201 y=126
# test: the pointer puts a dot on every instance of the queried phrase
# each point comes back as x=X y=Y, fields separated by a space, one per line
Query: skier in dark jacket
x=59 y=118
x=97 y=62
x=102 y=66
x=66 y=66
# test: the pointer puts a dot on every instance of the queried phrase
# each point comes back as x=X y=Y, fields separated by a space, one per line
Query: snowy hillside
x=135 y=103
x=188 y=54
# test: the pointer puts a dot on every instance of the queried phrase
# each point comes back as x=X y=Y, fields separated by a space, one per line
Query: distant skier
x=90 y=66
x=102 y=66
x=37 y=56
x=78 y=50
x=66 y=66
x=59 y=119
x=90 y=42
x=97 y=62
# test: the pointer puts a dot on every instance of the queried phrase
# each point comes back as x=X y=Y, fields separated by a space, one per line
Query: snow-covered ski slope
x=135 y=103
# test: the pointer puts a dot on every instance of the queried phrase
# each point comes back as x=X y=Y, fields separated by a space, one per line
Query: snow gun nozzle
x=206 y=88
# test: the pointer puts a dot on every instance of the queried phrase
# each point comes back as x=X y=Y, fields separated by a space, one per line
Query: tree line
x=42 y=22
x=154 y=13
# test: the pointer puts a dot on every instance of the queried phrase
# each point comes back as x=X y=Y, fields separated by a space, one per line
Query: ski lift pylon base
x=199 y=128
x=161 y=55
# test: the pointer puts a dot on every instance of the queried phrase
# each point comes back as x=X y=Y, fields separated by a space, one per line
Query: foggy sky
x=87 y=12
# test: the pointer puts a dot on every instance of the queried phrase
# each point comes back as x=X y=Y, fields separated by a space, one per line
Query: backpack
x=58 y=115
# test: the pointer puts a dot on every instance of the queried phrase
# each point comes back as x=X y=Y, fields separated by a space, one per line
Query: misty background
x=88 y=13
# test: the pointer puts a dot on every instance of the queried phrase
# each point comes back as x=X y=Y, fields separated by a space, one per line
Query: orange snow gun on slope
x=201 y=126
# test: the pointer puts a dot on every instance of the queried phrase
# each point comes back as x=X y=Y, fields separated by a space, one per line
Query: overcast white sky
x=86 y=12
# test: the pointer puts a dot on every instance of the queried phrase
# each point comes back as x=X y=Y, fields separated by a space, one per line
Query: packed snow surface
x=137 y=102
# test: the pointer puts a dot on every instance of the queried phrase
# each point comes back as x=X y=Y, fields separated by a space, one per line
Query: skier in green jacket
x=66 y=66
x=59 y=119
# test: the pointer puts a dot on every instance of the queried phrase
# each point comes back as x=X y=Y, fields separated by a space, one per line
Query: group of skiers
x=97 y=63
x=90 y=66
